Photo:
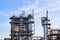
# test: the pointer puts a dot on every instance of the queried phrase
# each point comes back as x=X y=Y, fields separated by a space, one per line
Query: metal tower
x=21 y=27
x=45 y=23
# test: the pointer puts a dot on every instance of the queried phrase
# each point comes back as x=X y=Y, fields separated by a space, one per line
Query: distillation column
x=45 y=24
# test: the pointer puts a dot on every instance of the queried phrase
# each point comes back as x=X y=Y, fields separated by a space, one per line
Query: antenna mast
x=47 y=13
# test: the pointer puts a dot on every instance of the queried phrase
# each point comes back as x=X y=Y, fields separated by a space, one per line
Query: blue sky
x=10 y=7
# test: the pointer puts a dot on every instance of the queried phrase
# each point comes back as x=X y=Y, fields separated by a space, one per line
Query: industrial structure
x=49 y=33
x=54 y=34
x=21 y=27
x=46 y=25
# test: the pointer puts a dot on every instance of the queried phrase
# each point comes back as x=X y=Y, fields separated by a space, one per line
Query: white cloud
x=28 y=8
x=3 y=27
x=53 y=5
x=34 y=7
x=4 y=24
x=54 y=9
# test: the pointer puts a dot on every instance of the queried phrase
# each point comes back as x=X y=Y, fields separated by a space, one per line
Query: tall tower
x=45 y=23
x=15 y=24
x=21 y=27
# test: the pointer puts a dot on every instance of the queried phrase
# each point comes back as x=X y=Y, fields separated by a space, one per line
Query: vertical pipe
x=46 y=31
x=46 y=27
x=33 y=20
